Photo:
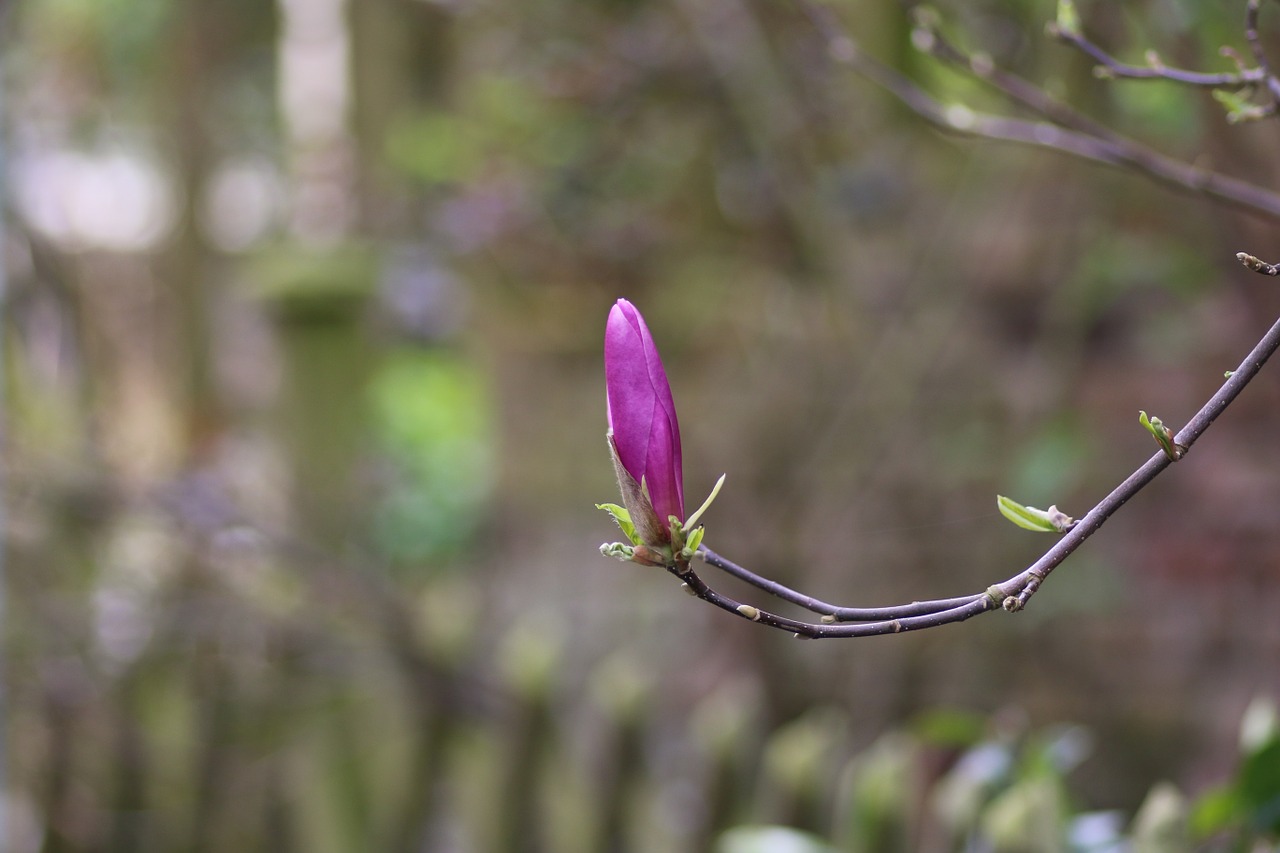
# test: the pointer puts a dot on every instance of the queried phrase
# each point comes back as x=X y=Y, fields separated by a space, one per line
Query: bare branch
x=1065 y=131
x=1255 y=47
x=1110 y=67
x=835 y=612
x=1014 y=593
x=1257 y=265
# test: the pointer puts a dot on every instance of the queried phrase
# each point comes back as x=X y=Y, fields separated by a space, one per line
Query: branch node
x=981 y=64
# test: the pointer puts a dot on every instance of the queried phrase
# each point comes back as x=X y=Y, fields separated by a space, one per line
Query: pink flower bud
x=642 y=422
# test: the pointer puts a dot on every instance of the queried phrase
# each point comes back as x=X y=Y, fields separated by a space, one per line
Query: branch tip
x=1257 y=265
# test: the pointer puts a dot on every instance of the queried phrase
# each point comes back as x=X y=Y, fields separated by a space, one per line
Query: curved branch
x=1012 y=594
x=834 y=611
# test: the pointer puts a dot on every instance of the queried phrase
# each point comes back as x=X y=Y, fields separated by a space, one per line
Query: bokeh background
x=305 y=420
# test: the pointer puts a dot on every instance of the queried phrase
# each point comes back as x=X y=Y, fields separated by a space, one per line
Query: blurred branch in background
x=1066 y=130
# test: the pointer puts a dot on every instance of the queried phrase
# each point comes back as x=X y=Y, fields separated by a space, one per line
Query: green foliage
x=1165 y=111
x=1248 y=806
x=1239 y=108
x=436 y=424
x=1010 y=790
x=1049 y=520
x=1049 y=462
x=502 y=121
x=623 y=519
x=122 y=38
x=1068 y=18
x=770 y=839
x=1163 y=436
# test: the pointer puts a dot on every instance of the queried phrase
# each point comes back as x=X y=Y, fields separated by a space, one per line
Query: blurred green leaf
x=1049 y=463
x=770 y=839
x=1058 y=750
x=436 y=424
x=1215 y=811
x=1028 y=817
x=1258 y=788
x=1161 y=823
x=437 y=147
x=949 y=727
x=1239 y=108
x=961 y=795
x=876 y=813
x=1068 y=18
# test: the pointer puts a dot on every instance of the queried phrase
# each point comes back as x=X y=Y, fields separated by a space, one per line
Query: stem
x=1118 y=69
x=1066 y=131
x=1255 y=46
x=835 y=611
x=1014 y=593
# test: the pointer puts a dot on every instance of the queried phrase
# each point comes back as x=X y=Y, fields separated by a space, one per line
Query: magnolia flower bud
x=644 y=435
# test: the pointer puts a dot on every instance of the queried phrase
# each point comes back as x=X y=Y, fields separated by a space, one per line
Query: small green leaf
x=695 y=539
x=1163 y=436
x=623 y=518
x=1051 y=520
x=1258 y=787
x=1238 y=107
x=1068 y=18
x=692 y=521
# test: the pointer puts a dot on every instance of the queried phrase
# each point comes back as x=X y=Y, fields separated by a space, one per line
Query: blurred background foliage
x=305 y=427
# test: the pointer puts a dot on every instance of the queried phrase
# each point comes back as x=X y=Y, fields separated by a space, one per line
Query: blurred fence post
x=317 y=299
x=4 y=705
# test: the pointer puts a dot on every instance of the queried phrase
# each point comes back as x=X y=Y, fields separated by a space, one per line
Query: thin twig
x=834 y=611
x=1257 y=265
x=1156 y=70
x=1014 y=593
x=1080 y=137
x=1255 y=46
x=699 y=589
x=1017 y=89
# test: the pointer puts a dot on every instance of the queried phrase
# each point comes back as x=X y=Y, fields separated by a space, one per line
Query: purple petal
x=642 y=413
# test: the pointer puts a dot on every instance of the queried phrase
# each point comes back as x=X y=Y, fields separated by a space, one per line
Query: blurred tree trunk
x=400 y=56
x=196 y=40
